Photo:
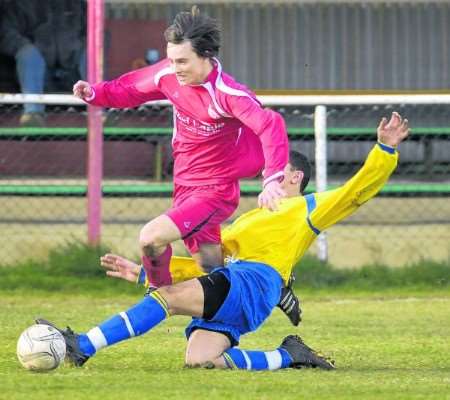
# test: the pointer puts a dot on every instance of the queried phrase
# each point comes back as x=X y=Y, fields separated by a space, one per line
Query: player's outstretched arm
x=335 y=205
x=128 y=90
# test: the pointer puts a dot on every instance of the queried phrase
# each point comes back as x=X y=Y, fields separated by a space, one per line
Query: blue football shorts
x=255 y=290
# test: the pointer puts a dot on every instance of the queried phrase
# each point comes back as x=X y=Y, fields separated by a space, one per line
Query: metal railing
x=308 y=117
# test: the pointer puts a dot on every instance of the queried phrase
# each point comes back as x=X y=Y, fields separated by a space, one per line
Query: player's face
x=190 y=69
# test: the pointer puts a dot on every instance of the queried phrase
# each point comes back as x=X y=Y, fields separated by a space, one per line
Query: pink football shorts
x=198 y=211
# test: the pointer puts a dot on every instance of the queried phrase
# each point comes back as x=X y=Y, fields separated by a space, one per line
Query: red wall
x=127 y=44
x=68 y=159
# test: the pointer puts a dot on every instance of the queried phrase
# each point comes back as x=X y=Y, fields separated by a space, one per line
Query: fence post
x=95 y=123
x=320 y=134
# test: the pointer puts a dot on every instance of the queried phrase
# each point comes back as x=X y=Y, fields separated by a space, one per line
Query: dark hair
x=201 y=30
x=299 y=162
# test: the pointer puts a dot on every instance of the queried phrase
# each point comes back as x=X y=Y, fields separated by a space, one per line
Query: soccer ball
x=41 y=348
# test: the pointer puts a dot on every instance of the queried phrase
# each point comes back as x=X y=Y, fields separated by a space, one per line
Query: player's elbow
x=273 y=132
x=274 y=122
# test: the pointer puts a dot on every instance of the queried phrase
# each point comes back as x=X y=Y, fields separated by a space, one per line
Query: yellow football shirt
x=280 y=238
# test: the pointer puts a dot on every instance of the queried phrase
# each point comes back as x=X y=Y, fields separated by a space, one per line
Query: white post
x=320 y=134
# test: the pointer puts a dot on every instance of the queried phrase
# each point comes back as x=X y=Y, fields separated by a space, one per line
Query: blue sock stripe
x=237 y=357
x=127 y=323
x=248 y=360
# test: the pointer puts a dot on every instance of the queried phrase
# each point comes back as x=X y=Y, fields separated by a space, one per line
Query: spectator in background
x=47 y=38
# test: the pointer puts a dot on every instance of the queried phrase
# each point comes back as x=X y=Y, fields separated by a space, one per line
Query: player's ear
x=297 y=177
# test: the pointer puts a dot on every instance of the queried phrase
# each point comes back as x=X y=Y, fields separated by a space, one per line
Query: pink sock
x=157 y=269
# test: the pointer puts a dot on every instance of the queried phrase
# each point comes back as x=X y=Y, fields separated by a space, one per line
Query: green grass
x=385 y=348
x=388 y=330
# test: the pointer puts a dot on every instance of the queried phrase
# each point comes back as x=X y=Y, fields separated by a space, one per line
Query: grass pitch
x=390 y=345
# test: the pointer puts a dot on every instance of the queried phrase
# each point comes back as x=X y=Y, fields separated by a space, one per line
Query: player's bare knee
x=149 y=249
x=150 y=243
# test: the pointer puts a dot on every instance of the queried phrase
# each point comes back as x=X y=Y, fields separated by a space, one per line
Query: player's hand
x=82 y=90
x=270 y=195
x=394 y=131
x=119 y=267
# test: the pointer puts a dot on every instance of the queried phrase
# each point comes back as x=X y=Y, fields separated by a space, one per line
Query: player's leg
x=213 y=349
x=254 y=290
x=207 y=255
x=188 y=215
x=196 y=211
x=200 y=297
x=184 y=268
x=205 y=349
x=205 y=244
x=185 y=298
x=154 y=239
x=292 y=353
x=31 y=68
x=135 y=321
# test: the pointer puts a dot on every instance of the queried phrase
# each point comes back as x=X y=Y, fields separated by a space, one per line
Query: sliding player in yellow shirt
x=263 y=247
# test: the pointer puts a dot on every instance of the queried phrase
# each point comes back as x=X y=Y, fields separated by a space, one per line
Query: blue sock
x=136 y=321
x=257 y=360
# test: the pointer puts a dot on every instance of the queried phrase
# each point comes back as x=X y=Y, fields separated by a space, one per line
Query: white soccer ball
x=41 y=348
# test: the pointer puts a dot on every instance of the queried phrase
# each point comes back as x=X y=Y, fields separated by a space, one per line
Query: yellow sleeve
x=183 y=269
x=328 y=208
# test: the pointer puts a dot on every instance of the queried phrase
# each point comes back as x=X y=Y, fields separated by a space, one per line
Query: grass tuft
x=76 y=266
x=313 y=273
x=73 y=267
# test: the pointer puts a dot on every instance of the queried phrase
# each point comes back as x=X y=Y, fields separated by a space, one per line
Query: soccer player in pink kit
x=221 y=134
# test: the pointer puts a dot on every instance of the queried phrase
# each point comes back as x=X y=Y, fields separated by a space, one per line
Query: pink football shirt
x=221 y=132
